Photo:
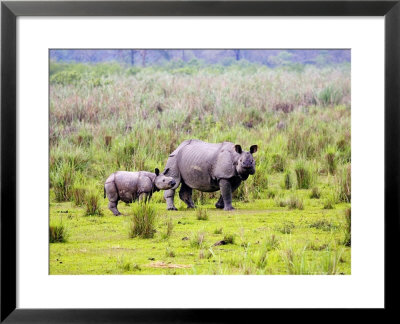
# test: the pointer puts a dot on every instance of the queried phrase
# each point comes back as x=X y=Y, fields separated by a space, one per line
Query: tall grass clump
x=62 y=180
x=295 y=261
x=329 y=96
x=287 y=180
x=295 y=202
x=329 y=202
x=343 y=184
x=201 y=213
x=143 y=221
x=330 y=157
x=304 y=174
x=58 y=232
x=169 y=226
x=78 y=194
x=278 y=163
x=347 y=227
x=197 y=239
x=92 y=203
x=315 y=193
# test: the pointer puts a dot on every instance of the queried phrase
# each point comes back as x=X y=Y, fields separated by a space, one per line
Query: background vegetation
x=292 y=216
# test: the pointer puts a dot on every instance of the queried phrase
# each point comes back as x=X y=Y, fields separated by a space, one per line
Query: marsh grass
x=347 y=227
x=295 y=202
x=143 y=221
x=304 y=174
x=201 y=213
x=343 y=184
x=197 y=239
x=315 y=193
x=62 y=181
x=78 y=193
x=58 y=231
x=329 y=202
x=169 y=226
x=287 y=181
x=92 y=203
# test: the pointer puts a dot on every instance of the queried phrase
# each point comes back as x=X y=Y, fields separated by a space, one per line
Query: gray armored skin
x=208 y=167
x=130 y=186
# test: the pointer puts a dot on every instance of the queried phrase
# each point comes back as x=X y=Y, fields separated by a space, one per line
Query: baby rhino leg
x=144 y=197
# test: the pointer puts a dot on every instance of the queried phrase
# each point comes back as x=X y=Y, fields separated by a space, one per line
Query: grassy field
x=292 y=217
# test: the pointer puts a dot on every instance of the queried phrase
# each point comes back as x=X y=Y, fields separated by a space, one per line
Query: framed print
x=197 y=155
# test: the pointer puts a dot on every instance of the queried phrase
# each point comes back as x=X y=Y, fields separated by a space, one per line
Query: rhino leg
x=234 y=186
x=186 y=195
x=220 y=203
x=112 y=205
x=226 y=193
x=169 y=198
x=112 y=195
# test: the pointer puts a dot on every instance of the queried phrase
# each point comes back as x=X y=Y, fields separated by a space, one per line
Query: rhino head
x=245 y=164
x=162 y=181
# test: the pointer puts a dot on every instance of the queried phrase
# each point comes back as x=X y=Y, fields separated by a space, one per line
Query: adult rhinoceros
x=208 y=167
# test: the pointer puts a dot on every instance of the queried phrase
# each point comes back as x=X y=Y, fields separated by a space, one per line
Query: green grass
x=96 y=245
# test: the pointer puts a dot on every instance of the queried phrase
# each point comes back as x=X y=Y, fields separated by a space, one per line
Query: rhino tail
x=104 y=187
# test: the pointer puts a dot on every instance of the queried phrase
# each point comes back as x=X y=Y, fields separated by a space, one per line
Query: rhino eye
x=163 y=180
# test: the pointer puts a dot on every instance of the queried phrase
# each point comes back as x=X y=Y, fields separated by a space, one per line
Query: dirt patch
x=160 y=264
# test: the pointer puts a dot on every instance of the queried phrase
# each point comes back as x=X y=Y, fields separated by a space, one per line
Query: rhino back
x=196 y=162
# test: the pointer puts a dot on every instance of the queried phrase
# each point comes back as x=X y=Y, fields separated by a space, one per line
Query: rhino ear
x=253 y=149
x=166 y=171
x=157 y=172
x=238 y=148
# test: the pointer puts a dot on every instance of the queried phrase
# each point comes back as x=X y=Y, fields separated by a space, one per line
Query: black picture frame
x=11 y=10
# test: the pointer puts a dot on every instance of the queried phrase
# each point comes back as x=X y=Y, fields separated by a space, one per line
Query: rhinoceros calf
x=208 y=167
x=130 y=186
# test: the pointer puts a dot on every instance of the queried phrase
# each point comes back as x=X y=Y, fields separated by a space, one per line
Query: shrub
x=201 y=213
x=315 y=193
x=92 y=203
x=58 y=232
x=304 y=175
x=343 y=184
x=143 y=221
x=218 y=230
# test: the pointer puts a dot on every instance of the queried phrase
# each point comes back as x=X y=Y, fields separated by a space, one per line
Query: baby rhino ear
x=157 y=171
x=238 y=148
x=253 y=149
